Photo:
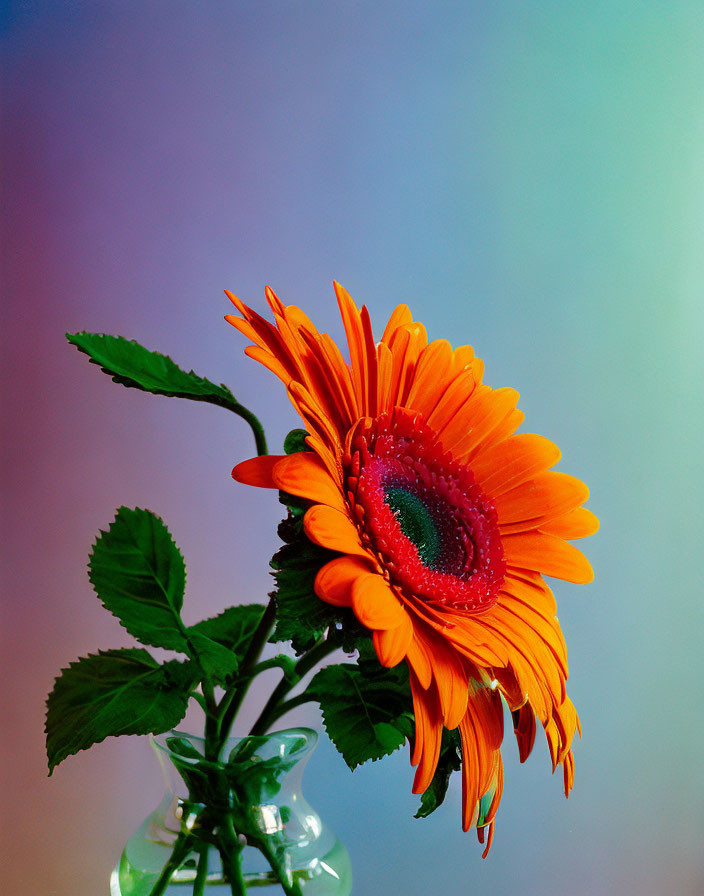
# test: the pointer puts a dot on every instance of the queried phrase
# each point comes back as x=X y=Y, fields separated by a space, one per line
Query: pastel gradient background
x=530 y=179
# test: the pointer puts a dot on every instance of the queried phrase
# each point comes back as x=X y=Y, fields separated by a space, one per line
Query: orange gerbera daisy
x=446 y=522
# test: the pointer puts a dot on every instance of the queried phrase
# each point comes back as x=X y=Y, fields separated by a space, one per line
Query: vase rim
x=309 y=735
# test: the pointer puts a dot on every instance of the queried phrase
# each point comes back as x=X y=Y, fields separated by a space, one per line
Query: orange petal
x=548 y=555
x=532 y=617
x=478 y=370
x=375 y=604
x=314 y=416
x=497 y=784
x=330 y=459
x=505 y=428
x=426 y=747
x=531 y=589
x=356 y=341
x=485 y=411
x=513 y=461
x=370 y=355
x=431 y=376
x=560 y=731
x=568 y=768
x=385 y=362
x=578 y=523
x=399 y=316
x=450 y=677
x=524 y=728
x=406 y=344
x=481 y=731
x=305 y=475
x=315 y=374
x=322 y=372
x=341 y=377
x=451 y=402
x=391 y=644
x=334 y=581
x=539 y=500
x=462 y=358
x=419 y=661
x=472 y=639
x=547 y=668
x=490 y=817
x=258 y=470
x=265 y=335
x=333 y=530
x=402 y=364
x=268 y=360
x=274 y=302
x=490 y=836
x=240 y=324
x=567 y=724
x=523 y=679
x=510 y=689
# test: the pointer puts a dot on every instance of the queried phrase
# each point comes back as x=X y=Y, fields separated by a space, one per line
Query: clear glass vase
x=234 y=825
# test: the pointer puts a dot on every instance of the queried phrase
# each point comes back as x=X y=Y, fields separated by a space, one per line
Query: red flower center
x=422 y=513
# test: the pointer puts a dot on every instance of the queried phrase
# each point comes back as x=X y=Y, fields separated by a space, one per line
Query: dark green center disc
x=416 y=523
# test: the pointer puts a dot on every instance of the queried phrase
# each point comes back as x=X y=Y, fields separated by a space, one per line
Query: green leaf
x=296 y=506
x=301 y=616
x=114 y=692
x=222 y=641
x=180 y=746
x=218 y=663
x=132 y=365
x=366 y=715
x=448 y=763
x=233 y=628
x=295 y=441
x=255 y=778
x=139 y=575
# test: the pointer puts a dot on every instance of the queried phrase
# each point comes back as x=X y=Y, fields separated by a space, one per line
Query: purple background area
x=529 y=179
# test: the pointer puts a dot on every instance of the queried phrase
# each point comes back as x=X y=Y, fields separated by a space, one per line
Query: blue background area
x=529 y=178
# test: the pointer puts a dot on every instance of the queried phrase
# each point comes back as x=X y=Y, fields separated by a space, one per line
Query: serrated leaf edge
x=105 y=532
x=111 y=652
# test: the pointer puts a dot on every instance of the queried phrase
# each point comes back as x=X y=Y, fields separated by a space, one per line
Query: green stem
x=287 y=706
x=256 y=427
x=178 y=854
x=288 y=884
x=231 y=854
x=231 y=404
x=317 y=653
x=202 y=872
x=282 y=661
x=271 y=710
x=234 y=697
x=200 y=700
x=212 y=746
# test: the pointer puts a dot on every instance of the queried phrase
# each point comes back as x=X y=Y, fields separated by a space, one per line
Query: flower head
x=445 y=521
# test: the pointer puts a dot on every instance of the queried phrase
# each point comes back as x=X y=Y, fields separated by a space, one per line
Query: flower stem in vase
x=231 y=854
x=202 y=870
x=180 y=850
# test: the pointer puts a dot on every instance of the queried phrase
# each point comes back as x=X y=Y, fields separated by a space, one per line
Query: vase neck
x=254 y=767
